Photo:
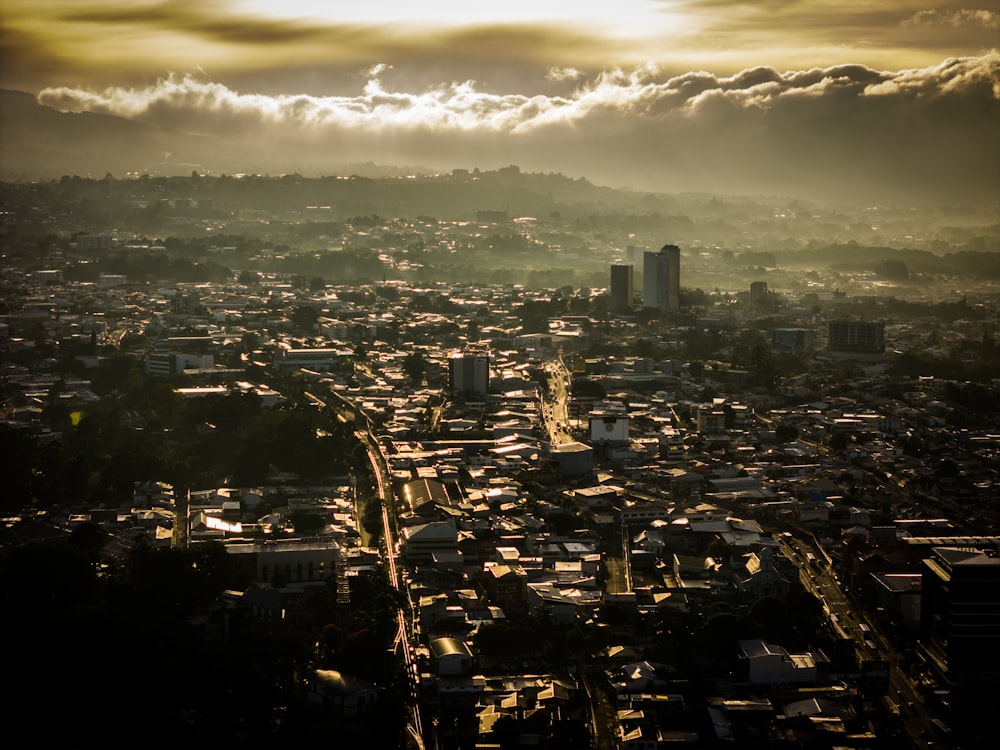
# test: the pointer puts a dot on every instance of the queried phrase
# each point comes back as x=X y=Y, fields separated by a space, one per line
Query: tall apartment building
x=469 y=373
x=622 y=286
x=91 y=242
x=758 y=295
x=960 y=610
x=661 y=283
x=856 y=336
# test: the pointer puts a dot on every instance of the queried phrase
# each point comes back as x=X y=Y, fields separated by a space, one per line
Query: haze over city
x=873 y=101
x=467 y=376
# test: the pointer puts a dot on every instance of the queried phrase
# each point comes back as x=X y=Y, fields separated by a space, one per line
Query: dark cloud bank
x=847 y=131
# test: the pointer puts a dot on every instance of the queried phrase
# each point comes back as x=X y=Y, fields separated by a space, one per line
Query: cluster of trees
x=133 y=647
x=120 y=635
x=148 y=432
x=143 y=266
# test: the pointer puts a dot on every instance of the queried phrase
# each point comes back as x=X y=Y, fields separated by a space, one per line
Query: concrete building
x=758 y=295
x=711 y=419
x=573 y=459
x=323 y=359
x=107 y=280
x=420 y=543
x=767 y=664
x=91 y=242
x=661 y=279
x=469 y=373
x=622 y=286
x=856 y=336
x=960 y=610
x=168 y=363
x=290 y=562
x=608 y=427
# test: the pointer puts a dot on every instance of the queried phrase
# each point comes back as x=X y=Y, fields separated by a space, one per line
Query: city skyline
x=705 y=96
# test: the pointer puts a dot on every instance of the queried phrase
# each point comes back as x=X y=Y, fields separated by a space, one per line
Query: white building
x=608 y=427
x=661 y=279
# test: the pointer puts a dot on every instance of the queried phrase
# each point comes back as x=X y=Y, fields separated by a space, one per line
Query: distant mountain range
x=40 y=142
x=942 y=157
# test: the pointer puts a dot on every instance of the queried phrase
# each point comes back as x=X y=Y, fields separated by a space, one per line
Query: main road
x=553 y=402
x=403 y=633
x=817 y=575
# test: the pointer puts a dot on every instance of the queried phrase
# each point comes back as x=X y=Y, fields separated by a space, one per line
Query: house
x=343 y=694
x=561 y=607
x=505 y=586
x=640 y=677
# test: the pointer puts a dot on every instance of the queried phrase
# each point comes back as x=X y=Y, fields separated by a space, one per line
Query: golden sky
x=656 y=94
x=312 y=46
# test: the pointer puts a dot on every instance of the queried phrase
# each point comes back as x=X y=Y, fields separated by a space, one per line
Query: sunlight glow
x=625 y=19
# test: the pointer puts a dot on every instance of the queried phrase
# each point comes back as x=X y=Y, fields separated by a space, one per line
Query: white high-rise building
x=661 y=284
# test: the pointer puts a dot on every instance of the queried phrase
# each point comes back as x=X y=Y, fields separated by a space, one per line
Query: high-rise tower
x=661 y=284
x=622 y=286
x=758 y=295
x=470 y=372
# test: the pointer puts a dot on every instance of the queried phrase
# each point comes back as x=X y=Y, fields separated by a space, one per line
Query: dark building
x=469 y=373
x=622 y=286
x=758 y=295
x=960 y=610
x=856 y=336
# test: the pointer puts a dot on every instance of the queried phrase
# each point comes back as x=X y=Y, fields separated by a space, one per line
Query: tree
x=804 y=613
x=305 y=317
x=786 y=433
x=769 y=613
x=414 y=365
x=893 y=269
x=89 y=539
x=839 y=441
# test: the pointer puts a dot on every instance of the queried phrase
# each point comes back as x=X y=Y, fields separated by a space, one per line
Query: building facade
x=661 y=285
x=960 y=610
x=856 y=336
x=758 y=295
x=469 y=373
x=622 y=286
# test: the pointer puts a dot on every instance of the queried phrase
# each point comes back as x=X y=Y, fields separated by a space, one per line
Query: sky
x=653 y=94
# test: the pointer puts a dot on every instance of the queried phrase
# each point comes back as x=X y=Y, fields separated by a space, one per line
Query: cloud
x=961 y=18
x=760 y=128
x=563 y=74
